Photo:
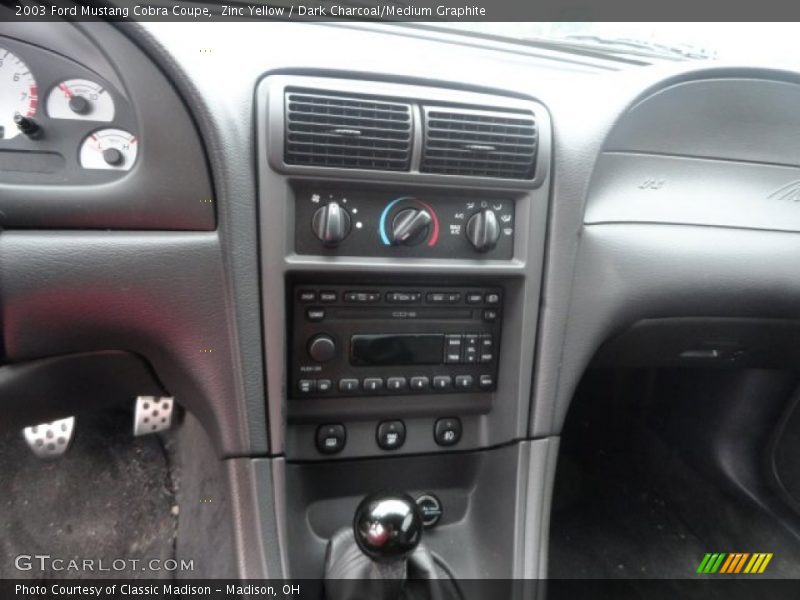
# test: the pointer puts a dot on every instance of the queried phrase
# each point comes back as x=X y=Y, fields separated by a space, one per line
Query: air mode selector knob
x=322 y=348
x=483 y=230
x=331 y=224
x=410 y=226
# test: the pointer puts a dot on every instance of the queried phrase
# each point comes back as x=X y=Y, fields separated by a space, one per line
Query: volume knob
x=483 y=230
x=322 y=348
x=331 y=224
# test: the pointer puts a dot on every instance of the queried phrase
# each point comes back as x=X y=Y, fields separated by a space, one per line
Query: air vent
x=347 y=132
x=479 y=143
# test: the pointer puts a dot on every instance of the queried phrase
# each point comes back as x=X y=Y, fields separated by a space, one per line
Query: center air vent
x=479 y=143
x=347 y=132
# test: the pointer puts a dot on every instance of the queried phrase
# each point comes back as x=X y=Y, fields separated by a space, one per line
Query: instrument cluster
x=60 y=122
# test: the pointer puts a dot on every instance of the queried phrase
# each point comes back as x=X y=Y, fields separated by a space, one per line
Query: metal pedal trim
x=152 y=414
x=48 y=440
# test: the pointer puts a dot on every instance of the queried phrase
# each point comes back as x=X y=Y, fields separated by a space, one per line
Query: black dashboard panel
x=107 y=147
x=726 y=155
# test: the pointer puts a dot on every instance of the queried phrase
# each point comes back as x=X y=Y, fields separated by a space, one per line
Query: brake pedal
x=50 y=439
x=152 y=414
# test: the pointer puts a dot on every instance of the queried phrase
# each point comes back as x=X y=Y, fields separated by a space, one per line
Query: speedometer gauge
x=18 y=93
x=80 y=99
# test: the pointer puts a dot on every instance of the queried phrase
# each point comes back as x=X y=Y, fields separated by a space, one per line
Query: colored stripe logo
x=734 y=563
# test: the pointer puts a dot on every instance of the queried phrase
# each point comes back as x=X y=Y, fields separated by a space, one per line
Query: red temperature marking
x=65 y=89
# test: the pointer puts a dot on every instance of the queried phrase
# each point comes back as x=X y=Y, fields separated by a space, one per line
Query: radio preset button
x=315 y=314
x=420 y=383
x=447 y=431
x=327 y=296
x=396 y=384
x=391 y=434
x=331 y=438
x=362 y=297
x=403 y=297
x=474 y=298
x=348 y=385
x=442 y=382
x=464 y=382
x=372 y=384
x=443 y=298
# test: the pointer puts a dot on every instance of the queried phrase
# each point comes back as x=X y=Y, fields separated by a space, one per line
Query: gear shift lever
x=381 y=557
x=387 y=527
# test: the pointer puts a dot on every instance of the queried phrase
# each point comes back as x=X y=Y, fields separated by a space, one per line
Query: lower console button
x=396 y=384
x=391 y=434
x=373 y=384
x=324 y=385
x=447 y=431
x=420 y=383
x=348 y=385
x=486 y=381
x=331 y=438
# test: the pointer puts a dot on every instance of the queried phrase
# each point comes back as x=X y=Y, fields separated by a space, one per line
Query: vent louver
x=347 y=132
x=479 y=143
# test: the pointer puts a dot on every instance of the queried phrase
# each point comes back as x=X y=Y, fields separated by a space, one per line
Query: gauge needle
x=66 y=90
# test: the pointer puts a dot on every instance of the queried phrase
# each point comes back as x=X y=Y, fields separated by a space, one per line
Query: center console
x=403 y=236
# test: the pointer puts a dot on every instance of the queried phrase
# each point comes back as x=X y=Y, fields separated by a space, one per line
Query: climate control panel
x=373 y=223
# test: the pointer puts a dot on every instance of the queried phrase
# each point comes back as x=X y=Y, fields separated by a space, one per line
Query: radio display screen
x=397 y=349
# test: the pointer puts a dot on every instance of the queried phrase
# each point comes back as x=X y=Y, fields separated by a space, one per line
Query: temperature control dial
x=331 y=224
x=408 y=221
x=483 y=230
x=410 y=226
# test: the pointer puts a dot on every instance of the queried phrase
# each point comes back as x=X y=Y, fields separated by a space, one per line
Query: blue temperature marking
x=382 y=223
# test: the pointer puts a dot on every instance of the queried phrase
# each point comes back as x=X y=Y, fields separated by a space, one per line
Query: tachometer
x=18 y=93
x=80 y=99
x=109 y=149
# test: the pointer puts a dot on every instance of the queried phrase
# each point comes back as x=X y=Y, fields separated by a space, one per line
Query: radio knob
x=483 y=230
x=410 y=226
x=322 y=348
x=331 y=224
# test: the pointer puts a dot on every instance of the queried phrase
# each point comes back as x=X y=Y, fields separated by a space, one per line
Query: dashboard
x=339 y=259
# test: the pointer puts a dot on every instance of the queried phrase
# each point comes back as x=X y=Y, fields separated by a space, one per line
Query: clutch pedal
x=152 y=414
x=50 y=439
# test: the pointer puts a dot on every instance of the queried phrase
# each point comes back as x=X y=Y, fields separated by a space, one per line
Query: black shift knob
x=387 y=526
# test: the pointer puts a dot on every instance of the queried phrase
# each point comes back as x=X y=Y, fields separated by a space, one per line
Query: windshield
x=765 y=43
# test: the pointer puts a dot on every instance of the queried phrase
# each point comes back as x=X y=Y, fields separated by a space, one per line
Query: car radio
x=377 y=340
